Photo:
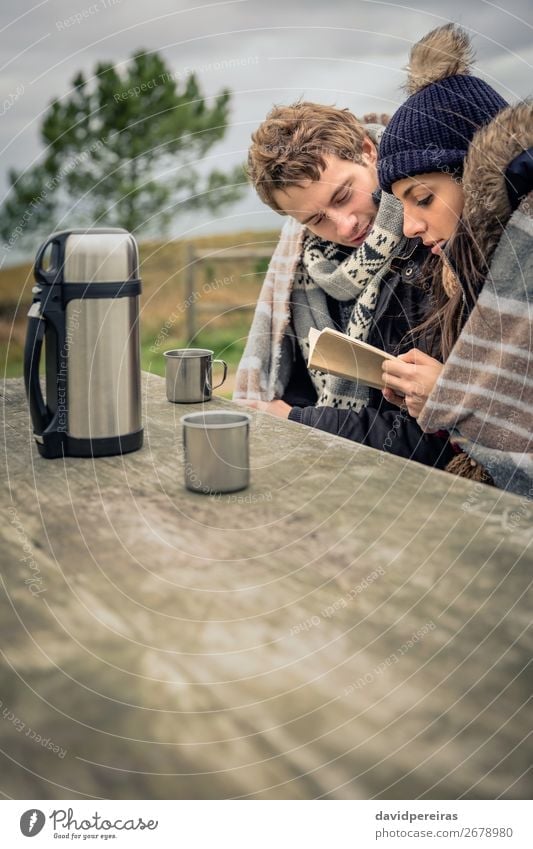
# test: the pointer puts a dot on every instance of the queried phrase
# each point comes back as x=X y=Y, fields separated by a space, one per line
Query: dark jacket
x=401 y=307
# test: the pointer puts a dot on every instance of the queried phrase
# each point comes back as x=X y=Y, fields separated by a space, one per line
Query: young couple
x=416 y=238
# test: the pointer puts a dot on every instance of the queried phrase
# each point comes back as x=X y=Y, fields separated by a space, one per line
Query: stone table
x=351 y=626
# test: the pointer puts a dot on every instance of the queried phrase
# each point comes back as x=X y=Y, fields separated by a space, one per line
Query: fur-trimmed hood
x=487 y=206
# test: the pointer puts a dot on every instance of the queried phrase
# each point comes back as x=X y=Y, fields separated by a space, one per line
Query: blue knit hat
x=432 y=130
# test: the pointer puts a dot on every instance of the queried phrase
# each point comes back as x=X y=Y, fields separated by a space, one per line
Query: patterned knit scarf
x=302 y=271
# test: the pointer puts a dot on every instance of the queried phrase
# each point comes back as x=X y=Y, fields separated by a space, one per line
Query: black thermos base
x=67 y=446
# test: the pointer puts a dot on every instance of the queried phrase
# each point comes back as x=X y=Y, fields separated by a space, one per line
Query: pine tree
x=124 y=149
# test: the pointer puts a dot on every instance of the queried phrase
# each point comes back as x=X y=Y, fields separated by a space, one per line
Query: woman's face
x=432 y=205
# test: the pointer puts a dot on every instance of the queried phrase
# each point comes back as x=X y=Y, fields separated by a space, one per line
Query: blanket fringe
x=464 y=467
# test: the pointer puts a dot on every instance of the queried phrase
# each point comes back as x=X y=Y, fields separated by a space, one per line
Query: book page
x=338 y=354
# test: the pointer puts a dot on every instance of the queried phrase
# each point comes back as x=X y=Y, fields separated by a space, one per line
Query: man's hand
x=409 y=380
x=276 y=408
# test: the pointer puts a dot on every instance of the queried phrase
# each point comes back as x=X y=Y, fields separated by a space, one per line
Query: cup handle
x=223 y=363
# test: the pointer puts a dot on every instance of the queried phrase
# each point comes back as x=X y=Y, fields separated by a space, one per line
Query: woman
x=461 y=164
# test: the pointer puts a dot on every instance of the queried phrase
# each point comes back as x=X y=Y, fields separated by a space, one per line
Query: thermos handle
x=32 y=358
x=42 y=276
x=223 y=363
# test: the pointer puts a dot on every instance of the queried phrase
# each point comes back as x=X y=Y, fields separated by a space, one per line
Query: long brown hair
x=468 y=266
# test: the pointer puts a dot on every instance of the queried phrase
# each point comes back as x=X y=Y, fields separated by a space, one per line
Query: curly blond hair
x=291 y=144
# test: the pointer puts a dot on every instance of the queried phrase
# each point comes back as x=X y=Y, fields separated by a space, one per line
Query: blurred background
x=120 y=113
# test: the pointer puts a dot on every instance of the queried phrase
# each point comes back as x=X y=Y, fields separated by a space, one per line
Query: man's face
x=338 y=207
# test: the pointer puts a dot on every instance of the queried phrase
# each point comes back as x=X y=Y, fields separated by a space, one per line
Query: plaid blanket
x=484 y=395
x=265 y=366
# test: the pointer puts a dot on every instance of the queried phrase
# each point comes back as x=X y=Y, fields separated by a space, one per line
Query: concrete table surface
x=351 y=626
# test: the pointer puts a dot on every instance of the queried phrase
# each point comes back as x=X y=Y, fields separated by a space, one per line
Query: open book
x=334 y=352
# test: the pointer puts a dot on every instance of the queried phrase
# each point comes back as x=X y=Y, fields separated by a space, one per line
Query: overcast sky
x=346 y=52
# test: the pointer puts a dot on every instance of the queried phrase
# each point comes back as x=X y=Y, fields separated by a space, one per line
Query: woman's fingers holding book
x=398 y=375
x=393 y=398
x=413 y=375
x=417 y=357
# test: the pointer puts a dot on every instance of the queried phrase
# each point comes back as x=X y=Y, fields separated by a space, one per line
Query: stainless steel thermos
x=86 y=310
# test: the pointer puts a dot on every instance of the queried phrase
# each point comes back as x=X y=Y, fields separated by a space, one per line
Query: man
x=342 y=262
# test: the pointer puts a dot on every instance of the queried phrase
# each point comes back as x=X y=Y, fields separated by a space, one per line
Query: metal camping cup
x=216 y=453
x=189 y=375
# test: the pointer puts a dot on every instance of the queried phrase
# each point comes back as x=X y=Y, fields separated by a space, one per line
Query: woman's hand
x=409 y=380
x=276 y=408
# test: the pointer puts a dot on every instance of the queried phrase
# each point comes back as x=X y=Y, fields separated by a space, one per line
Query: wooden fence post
x=190 y=313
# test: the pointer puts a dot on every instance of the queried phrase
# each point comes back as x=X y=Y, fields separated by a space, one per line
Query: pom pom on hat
x=443 y=52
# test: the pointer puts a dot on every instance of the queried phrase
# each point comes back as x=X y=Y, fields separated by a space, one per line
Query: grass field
x=225 y=293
